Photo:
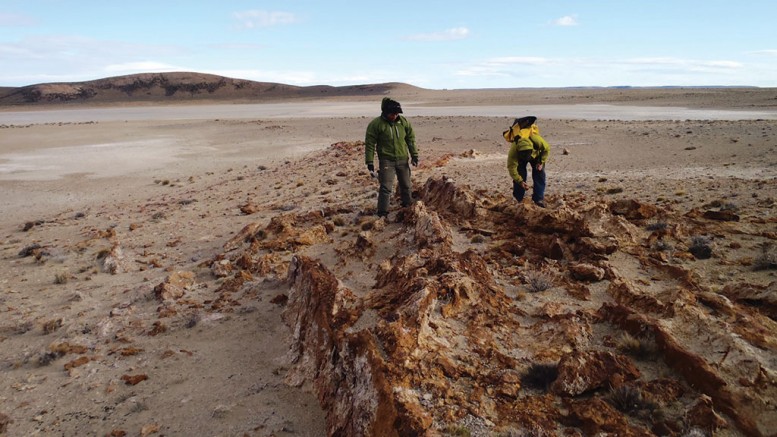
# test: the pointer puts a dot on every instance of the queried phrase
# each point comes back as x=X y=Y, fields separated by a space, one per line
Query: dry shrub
x=538 y=281
x=657 y=226
x=626 y=399
x=539 y=376
x=61 y=278
x=701 y=247
x=767 y=259
x=51 y=326
x=642 y=348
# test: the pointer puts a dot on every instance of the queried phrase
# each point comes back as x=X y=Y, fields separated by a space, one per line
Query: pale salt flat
x=98 y=160
x=356 y=109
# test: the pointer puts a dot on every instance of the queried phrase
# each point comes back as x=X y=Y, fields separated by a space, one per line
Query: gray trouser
x=388 y=170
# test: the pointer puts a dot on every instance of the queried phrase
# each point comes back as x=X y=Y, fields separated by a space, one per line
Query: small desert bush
x=61 y=278
x=701 y=247
x=627 y=399
x=457 y=431
x=193 y=320
x=642 y=348
x=338 y=221
x=662 y=245
x=532 y=431
x=538 y=281
x=767 y=259
x=51 y=326
x=477 y=239
x=47 y=357
x=695 y=432
x=657 y=226
x=539 y=376
x=137 y=407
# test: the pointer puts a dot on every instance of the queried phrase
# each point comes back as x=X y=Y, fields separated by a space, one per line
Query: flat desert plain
x=115 y=221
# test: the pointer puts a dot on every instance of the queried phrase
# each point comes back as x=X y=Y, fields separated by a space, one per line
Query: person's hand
x=371 y=169
x=539 y=167
x=525 y=185
x=414 y=161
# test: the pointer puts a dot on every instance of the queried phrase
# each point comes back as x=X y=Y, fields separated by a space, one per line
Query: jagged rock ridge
x=449 y=330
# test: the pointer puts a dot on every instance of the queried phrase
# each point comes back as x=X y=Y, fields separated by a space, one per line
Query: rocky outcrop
x=435 y=335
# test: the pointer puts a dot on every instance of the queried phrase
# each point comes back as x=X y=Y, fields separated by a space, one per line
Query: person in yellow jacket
x=527 y=148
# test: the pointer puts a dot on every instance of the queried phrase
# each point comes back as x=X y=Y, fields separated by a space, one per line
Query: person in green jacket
x=392 y=137
x=527 y=147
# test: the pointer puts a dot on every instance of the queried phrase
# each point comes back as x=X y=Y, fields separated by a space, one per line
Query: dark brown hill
x=179 y=87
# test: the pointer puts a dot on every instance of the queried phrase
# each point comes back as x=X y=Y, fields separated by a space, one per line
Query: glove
x=414 y=161
x=371 y=169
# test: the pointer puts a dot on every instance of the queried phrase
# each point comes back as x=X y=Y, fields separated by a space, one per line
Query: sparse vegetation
x=701 y=247
x=51 y=326
x=533 y=431
x=137 y=407
x=657 y=226
x=457 y=431
x=193 y=321
x=662 y=246
x=540 y=376
x=48 y=357
x=767 y=259
x=626 y=399
x=642 y=348
x=61 y=278
x=695 y=432
x=538 y=281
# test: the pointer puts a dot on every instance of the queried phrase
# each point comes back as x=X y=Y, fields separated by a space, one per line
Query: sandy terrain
x=98 y=214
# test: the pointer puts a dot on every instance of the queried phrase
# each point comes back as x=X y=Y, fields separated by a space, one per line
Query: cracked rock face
x=429 y=330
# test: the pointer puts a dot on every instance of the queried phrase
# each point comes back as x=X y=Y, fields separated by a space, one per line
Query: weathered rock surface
x=435 y=333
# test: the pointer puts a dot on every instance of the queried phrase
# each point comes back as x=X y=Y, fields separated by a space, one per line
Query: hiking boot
x=540 y=203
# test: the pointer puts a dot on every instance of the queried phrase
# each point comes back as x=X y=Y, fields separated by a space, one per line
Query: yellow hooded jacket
x=529 y=145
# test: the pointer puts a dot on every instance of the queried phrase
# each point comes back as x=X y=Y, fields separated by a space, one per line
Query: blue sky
x=427 y=43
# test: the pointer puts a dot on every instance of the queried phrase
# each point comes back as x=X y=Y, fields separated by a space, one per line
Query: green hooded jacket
x=534 y=147
x=392 y=140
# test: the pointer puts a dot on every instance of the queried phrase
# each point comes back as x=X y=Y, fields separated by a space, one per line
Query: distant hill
x=180 y=87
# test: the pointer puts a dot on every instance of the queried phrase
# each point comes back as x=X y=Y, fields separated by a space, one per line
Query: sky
x=427 y=43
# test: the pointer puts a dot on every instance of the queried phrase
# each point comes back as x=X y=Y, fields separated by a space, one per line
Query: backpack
x=521 y=128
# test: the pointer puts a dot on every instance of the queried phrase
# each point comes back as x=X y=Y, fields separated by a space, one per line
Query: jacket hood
x=390 y=106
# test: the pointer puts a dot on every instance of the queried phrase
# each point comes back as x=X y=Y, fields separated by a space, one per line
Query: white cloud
x=768 y=52
x=567 y=20
x=258 y=18
x=446 y=35
x=506 y=66
x=11 y=20
x=141 y=67
x=688 y=64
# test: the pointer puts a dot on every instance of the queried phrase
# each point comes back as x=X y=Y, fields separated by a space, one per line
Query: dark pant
x=538 y=179
x=390 y=170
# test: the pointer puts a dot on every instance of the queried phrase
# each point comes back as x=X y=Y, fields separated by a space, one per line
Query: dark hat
x=389 y=106
x=525 y=122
